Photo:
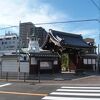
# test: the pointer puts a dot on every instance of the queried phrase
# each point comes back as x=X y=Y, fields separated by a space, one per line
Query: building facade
x=91 y=42
x=72 y=44
x=25 y=31
x=9 y=41
x=40 y=33
x=90 y=56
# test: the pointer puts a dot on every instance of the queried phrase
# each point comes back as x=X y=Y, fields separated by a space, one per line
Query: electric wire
x=62 y=22
x=70 y=21
x=95 y=4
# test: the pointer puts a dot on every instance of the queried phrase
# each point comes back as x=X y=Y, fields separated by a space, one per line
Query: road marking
x=75 y=94
x=73 y=90
x=5 y=84
x=20 y=93
x=68 y=98
x=80 y=87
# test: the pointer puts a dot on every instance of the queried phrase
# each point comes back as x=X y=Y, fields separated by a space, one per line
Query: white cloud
x=13 y=11
x=86 y=31
x=90 y=33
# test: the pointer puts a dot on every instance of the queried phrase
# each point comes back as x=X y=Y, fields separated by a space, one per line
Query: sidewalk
x=61 y=78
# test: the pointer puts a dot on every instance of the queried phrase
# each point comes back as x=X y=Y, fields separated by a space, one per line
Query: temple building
x=74 y=45
x=47 y=57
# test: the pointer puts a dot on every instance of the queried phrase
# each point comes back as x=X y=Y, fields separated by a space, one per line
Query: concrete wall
x=14 y=65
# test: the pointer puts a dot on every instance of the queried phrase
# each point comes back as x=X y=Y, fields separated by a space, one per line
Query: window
x=55 y=62
x=24 y=58
x=2 y=43
x=5 y=42
x=8 y=38
x=13 y=42
x=85 y=61
x=33 y=61
x=45 y=65
x=93 y=61
x=14 y=38
x=89 y=61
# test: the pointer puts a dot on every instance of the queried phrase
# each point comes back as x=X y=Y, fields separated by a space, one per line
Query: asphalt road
x=24 y=91
x=30 y=91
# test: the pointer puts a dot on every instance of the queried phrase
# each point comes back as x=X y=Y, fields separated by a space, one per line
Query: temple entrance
x=71 y=61
x=65 y=62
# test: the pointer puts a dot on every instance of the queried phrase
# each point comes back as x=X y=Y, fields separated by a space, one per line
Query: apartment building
x=9 y=41
x=41 y=34
x=25 y=30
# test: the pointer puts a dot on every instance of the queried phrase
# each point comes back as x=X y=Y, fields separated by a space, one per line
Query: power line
x=8 y=27
x=71 y=21
x=94 y=3
x=62 y=22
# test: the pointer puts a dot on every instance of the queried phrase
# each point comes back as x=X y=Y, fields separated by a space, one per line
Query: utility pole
x=19 y=47
x=99 y=40
x=99 y=30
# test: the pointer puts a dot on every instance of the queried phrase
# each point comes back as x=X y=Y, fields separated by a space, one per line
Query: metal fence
x=26 y=77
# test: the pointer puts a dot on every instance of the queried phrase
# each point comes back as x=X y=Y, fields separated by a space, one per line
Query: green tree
x=64 y=61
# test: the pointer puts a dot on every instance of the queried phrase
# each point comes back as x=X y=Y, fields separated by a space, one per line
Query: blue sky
x=38 y=11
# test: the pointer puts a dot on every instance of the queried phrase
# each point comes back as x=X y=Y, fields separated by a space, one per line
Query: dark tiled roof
x=67 y=39
x=92 y=56
x=45 y=54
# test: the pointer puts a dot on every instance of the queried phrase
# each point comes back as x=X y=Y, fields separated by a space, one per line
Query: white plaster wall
x=33 y=61
x=9 y=66
x=13 y=66
x=24 y=67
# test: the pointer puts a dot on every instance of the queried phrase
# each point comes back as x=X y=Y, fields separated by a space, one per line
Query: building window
x=2 y=43
x=13 y=42
x=55 y=62
x=89 y=61
x=8 y=38
x=14 y=38
x=85 y=61
x=5 y=42
x=45 y=65
x=33 y=61
x=24 y=58
x=93 y=61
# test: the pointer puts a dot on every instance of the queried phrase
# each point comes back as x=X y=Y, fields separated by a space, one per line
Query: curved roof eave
x=67 y=39
x=53 y=39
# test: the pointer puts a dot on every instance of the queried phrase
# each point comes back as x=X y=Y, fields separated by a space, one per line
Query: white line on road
x=80 y=87
x=76 y=94
x=68 y=98
x=5 y=84
x=73 y=90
